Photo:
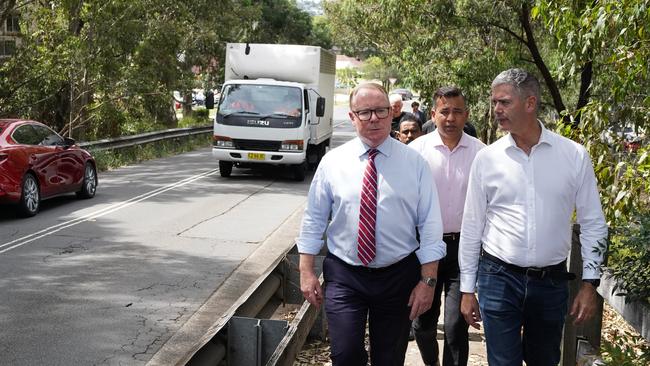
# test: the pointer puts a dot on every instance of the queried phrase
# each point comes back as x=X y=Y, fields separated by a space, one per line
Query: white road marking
x=105 y=211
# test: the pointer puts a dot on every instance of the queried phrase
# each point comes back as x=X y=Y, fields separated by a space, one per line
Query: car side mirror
x=67 y=141
x=209 y=100
x=320 y=107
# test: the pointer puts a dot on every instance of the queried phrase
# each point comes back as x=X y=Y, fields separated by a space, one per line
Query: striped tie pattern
x=368 y=211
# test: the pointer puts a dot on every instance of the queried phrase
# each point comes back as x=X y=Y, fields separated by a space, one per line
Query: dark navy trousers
x=354 y=295
x=456 y=336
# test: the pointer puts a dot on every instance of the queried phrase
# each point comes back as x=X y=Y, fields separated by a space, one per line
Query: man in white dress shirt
x=516 y=233
x=386 y=281
x=449 y=152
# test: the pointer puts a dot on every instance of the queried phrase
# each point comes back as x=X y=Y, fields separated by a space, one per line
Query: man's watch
x=429 y=281
x=593 y=281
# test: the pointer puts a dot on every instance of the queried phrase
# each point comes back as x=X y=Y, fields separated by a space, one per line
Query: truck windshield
x=265 y=101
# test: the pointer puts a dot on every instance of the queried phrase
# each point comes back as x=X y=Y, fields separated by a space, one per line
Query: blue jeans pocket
x=486 y=266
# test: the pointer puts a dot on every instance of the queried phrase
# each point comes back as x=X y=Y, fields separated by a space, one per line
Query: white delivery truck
x=275 y=107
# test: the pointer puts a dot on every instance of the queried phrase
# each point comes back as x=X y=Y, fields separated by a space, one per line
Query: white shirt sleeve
x=473 y=224
x=589 y=214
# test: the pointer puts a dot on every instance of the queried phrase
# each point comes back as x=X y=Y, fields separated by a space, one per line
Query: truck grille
x=257 y=145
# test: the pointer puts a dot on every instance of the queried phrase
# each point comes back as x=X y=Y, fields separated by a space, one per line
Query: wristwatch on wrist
x=593 y=281
x=429 y=281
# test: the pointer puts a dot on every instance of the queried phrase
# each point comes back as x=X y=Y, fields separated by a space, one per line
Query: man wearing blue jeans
x=516 y=233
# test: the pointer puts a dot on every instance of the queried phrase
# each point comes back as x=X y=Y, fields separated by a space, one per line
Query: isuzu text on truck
x=275 y=107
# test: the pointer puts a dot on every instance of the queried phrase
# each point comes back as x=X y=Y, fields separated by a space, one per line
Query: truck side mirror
x=209 y=100
x=320 y=107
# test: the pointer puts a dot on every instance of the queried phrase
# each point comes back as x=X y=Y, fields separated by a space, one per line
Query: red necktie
x=368 y=211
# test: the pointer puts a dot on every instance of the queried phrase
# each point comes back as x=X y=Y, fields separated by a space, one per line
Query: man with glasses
x=375 y=271
x=449 y=152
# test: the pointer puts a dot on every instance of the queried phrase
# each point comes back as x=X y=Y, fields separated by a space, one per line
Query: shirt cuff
x=306 y=246
x=468 y=282
x=432 y=253
x=589 y=273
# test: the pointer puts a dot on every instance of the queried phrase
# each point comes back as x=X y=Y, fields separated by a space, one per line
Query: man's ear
x=531 y=103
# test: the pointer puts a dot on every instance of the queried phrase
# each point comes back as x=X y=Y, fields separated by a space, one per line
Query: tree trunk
x=585 y=88
x=553 y=89
x=187 y=104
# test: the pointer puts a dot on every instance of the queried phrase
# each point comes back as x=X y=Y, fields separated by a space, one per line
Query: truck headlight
x=222 y=142
x=292 y=145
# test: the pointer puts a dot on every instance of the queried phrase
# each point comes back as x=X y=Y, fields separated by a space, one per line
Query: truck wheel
x=299 y=171
x=225 y=168
x=322 y=150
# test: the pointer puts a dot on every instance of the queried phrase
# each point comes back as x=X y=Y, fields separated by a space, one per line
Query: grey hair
x=524 y=83
x=395 y=98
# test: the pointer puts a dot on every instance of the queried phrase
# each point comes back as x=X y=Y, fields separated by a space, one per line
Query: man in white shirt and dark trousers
x=375 y=270
x=449 y=152
x=516 y=233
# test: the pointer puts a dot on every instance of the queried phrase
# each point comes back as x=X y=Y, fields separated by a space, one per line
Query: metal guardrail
x=144 y=138
x=247 y=337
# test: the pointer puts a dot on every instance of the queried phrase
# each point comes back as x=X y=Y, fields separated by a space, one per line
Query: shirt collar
x=437 y=140
x=544 y=138
x=385 y=147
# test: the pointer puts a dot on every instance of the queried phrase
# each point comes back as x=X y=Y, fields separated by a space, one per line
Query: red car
x=37 y=163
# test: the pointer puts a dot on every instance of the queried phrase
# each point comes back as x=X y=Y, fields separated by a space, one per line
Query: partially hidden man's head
x=396 y=104
x=409 y=129
x=370 y=113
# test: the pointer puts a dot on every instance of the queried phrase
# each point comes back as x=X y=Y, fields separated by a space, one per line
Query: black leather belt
x=451 y=236
x=374 y=269
x=556 y=271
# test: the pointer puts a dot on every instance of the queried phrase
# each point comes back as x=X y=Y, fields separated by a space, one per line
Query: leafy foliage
x=632 y=253
x=622 y=351
x=613 y=36
x=111 y=159
x=103 y=68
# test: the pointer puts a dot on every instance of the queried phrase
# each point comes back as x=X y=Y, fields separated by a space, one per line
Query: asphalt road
x=107 y=281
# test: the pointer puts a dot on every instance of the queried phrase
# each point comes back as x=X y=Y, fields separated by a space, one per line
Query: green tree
x=348 y=76
x=102 y=68
x=321 y=32
x=281 y=22
x=374 y=68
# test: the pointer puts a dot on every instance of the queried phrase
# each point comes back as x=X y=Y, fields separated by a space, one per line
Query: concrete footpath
x=477 y=355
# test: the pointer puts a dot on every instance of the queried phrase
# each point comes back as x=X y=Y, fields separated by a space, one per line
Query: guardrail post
x=590 y=330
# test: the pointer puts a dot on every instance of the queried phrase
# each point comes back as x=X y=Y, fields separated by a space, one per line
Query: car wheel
x=89 y=184
x=299 y=171
x=30 y=198
x=225 y=168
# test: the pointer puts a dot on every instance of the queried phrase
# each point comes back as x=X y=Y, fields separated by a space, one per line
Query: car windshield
x=263 y=100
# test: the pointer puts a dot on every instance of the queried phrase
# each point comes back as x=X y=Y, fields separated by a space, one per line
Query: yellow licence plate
x=256 y=156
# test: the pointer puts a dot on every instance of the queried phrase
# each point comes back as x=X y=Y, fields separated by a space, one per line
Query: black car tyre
x=225 y=168
x=299 y=171
x=30 y=198
x=89 y=185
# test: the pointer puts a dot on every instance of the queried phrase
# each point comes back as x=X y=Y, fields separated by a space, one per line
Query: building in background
x=9 y=36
